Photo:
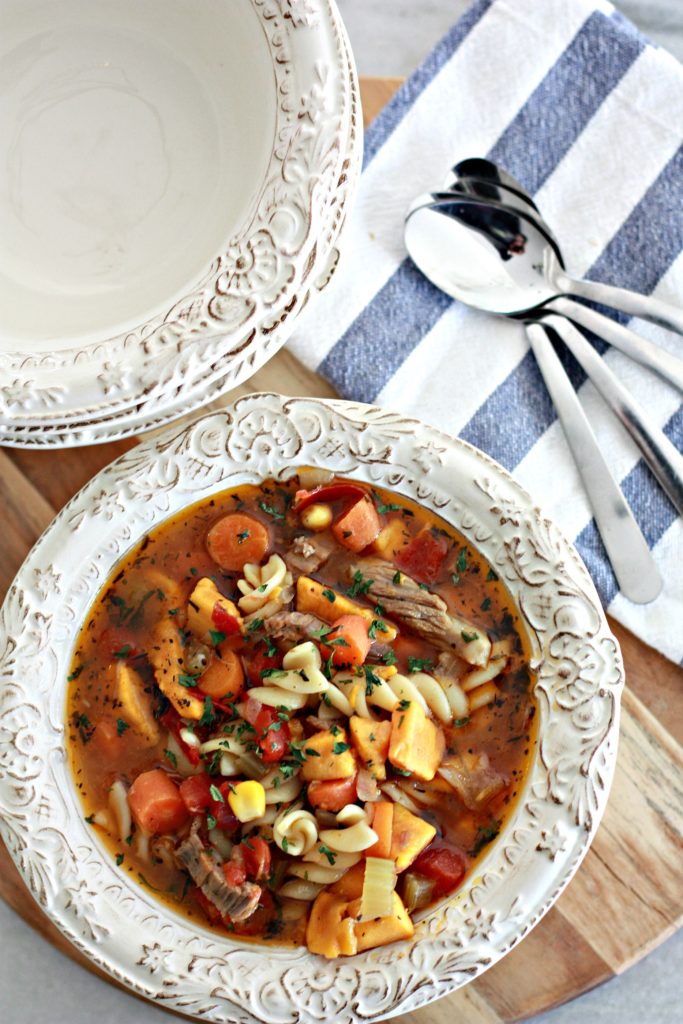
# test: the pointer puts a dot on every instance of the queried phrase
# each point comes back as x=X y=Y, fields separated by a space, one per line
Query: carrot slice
x=353 y=642
x=358 y=526
x=224 y=678
x=382 y=824
x=332 y=794
x=156 y=804
x=236 y=539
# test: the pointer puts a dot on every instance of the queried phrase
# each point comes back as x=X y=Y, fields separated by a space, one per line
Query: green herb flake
x=396 y=578
x=340 y=748
x=188 y=681
x=119 y=860
x=310 y=752
x=129 y=839
x=377 y=624
x=459 y=722
x=382 y=509
x=485 y=835
x=468 y=637
x=285 y=844
x=371 y=679
x=90 y=819
x=255 y=625
x=269 y=510
x=208 y=712
x=359 y=585
x=419 y=664
x=241 y=537
x=330 y=595
x=404 y=705
x=491 y=576
x=216 y=794
x=389 y=657
x=123 y=652
x=171 y=758
x=461 y=564
x=121 y=726
x=485 y=604
x=326 y=852
x=75 y=674
x=210 y=822
x=217 y=637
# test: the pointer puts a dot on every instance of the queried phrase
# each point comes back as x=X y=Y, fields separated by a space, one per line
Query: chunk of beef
x=290 y=628
x=307 y=554
x=422 y=611
x=473 y=778
x=238 y=902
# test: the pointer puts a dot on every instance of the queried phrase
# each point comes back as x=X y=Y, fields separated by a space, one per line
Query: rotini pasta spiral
x=295 y=831
x=300 y=676
x=315 y=871
x=261 y=584
x=354 y=837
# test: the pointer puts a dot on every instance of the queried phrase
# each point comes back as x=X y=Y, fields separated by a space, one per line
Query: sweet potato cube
x=382 y=930
x=392 y=539
x=328 y=756
x=330 y=931
x=417 y=744
x=310 y=598
x=208 y=610
x=409 y=836
x=371 y=740
x=350 y=885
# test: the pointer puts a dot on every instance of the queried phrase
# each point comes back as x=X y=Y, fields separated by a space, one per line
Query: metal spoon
x=481 y=178
x=511 y=261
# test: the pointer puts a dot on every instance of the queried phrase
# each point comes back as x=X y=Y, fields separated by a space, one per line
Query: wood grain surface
x=626 y=898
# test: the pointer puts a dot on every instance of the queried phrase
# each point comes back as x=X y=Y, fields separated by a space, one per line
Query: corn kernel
x=316 y=517
x=247 y=800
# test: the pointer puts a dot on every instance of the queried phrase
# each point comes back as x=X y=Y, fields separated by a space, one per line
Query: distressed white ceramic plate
x=119 y=925
x=172 y=176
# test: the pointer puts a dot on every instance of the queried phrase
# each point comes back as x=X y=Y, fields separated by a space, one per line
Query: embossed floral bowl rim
x=234 y=315
x=578 y=672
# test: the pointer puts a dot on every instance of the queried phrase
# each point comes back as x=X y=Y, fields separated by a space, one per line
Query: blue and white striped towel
x=589 y=116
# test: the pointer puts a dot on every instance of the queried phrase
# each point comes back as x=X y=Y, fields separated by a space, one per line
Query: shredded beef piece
x=422 y=611
x=307 y=554
x=473 y=778
x=290 y=628
x=236 y=902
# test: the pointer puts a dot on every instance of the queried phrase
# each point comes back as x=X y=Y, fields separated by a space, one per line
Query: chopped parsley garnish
x=461 y=564
x=468 y=637
x=389 y=657
x=326 y=852
x=423 y=586
x=217 y=637
x=330 y=595
x=129 y=615
x=208 y=713
x=241 y=537
x=188 y=681
x=129 y=839
x=340 y=748
x=485 y=604
x=254 y=625
x=359 y=585
x=90 y=819
x=216 y=794
x=268 y=673
x=123 y=652
x=491 y=576
x=310 y=752
x=371 y=679
x=396 y=578
x=388 y=508
x=121 y=726
x=400 y=771
x=85 y=728
x=459 y=722
x=377 y=624
x=210 y=822
x=171 y=758
x=271 y=648
x=419 y=664
x=119 y=860
x=75 y=674
x=269 y=510
x=404 y=705
x=485 y=835
x=285 y=844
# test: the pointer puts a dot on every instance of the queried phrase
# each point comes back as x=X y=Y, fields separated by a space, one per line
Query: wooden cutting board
x=628 y=894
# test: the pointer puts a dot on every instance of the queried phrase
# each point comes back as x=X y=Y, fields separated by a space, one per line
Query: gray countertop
x=38 y=984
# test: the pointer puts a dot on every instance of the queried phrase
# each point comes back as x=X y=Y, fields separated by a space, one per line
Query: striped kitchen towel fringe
x=571 y=99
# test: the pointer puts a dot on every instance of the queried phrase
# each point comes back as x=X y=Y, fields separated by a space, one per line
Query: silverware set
x=483 y=240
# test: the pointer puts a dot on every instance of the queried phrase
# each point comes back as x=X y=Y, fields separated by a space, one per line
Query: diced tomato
x=220 y=809
x=156 y=804
x=209 y=909
x=445 y=865
x=327 y=492
x=259 y=920
x=423 y=558
x=224 y=621
x=235 y=874
x=272 y=735
x=354 y=643
x=256 y=857
x=259 y=661
x=118 y=641
x=172 y=721
x=196 y=792
x=332 y=794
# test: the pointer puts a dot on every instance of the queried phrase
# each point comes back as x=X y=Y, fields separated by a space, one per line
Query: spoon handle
x=663 y=458
x=645 y=352
x=643 y=306
x=634 y=567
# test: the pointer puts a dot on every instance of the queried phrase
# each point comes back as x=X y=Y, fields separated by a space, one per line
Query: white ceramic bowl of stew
x=574 y=662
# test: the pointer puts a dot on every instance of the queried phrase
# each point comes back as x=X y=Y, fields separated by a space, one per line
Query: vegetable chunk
x=417 y=745
x=208 y=611
x=371 y=740
x=348 y=641
x=136 y=705
x=409 y=836
x=235 y=539
x=328 y=757
x=166 y=656
x=328 y=604
x=330 y=933
x=156 y=804
x=382 y=930
x=358 y=526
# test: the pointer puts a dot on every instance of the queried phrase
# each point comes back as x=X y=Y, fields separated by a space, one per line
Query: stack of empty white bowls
x=175 y=178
